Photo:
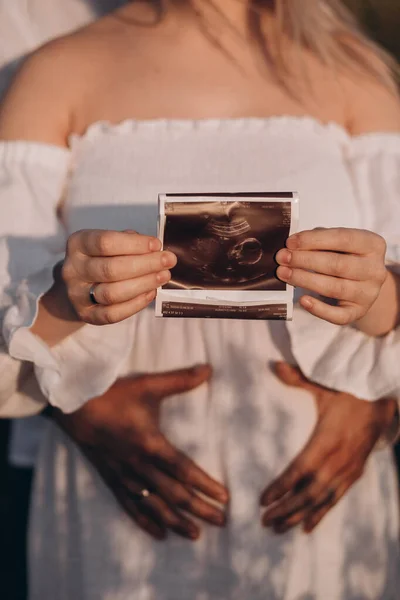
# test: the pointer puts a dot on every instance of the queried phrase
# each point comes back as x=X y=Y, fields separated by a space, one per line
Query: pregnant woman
x=186 y=97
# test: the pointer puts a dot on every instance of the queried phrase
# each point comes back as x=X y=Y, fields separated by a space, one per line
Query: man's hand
x=119 y=433
x=332 y=461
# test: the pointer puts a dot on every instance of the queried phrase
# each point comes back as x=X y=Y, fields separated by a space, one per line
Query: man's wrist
x=391 y=434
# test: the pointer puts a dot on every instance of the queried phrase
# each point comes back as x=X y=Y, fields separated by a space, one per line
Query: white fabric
x=243 y=428
x=370 y=365
x=32 y=180
x=25 y=25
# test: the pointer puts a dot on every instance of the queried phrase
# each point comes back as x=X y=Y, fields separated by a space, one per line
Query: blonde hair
x=326 y=28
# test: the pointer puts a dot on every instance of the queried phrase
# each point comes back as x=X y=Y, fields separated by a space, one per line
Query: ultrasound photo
x=226 y=242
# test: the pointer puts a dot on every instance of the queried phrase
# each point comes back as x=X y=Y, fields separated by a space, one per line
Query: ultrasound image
x=226 y=245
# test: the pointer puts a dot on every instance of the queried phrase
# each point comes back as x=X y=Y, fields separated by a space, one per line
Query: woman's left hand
x=333 y=460
x=346 y=265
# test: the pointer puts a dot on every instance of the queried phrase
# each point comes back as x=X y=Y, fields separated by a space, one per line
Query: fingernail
x=219 y=520
x=293 y=242
x=193 y=532
x=284 y=273
x=155 y=245
x=168 y=259
x=150 y=296
x=163 y=277
x=285 y=257
x=306 y=302
x=223 y=497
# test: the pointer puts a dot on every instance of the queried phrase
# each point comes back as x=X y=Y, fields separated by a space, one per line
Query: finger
x=293 y=377
x=162 y=385
x=294 y=474
x=142 y=517
x=99 y=242
x=338 y=315
x=108 y=294
x=313 y=518
x=330 y=287
x=119 y=268
x=353 y=241
x=112 y=474
x=336 y=264
x=108 y=315
x=281 y=526
x=182 y=497
x=301 y=473
x=185 y=470
x=162 y=512
x=300 y=500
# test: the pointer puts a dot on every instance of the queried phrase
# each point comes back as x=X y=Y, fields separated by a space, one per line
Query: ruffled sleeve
x=341 y=357
x=33 y=178
x=32 y=241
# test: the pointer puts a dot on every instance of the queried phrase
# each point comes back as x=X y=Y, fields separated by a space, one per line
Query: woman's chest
x=119 y=171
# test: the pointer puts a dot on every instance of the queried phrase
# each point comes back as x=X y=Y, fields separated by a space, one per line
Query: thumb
x=162 y=385
x=292 y=376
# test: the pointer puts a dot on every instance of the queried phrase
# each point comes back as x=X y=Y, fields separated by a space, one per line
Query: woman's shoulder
x=50 y=84
x=371 y=95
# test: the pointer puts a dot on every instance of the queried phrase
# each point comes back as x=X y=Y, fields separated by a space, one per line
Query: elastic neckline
x=253 y=124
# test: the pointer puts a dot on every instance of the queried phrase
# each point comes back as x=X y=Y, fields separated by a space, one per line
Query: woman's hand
x=154 y=482
x=122 y=270
x=346 y=265
x=332 y=461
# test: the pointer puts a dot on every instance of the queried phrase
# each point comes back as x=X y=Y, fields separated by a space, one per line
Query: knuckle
x=183 y=499
x=152 y=445
x=362 y=293
x=338 y=289
x=74 y=241
x=105 y=242
x=107 y=269
x=301 y=239
x=323 y=477
x=347 y=237
x=183 y=471
x=106 y=295
x=381 y=274
x=85 y=316
x=308 y=498
x=380 y=244
x=67 y=270
x=338 y=264
x=343 y=318
x=105 y=316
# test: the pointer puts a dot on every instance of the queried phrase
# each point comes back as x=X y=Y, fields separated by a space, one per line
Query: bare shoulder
x=372 y=103
x=47 y=89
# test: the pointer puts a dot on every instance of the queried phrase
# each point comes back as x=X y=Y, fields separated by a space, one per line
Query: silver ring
x=92 y=296
x=142 y=494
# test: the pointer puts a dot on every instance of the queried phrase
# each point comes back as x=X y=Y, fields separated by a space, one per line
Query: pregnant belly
x=242 y=425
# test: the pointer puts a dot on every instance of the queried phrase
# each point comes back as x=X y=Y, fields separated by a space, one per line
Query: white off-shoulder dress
x=244 y=427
